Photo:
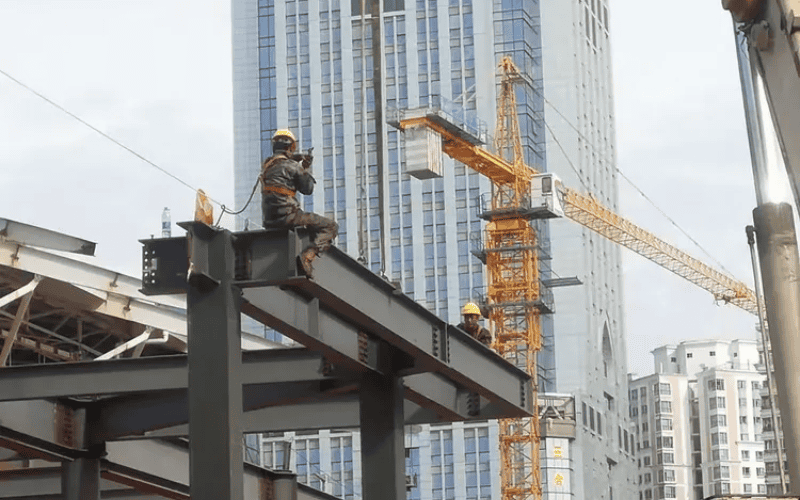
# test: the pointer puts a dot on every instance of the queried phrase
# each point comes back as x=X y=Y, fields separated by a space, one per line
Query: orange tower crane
x=519 y=194
x=512 y=266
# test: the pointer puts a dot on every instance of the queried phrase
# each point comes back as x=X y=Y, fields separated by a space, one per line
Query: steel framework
x=118 y=427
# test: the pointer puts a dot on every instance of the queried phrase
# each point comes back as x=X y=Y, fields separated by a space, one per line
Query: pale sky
x=156 y=76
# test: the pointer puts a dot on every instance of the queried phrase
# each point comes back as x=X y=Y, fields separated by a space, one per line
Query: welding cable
x=224 y=210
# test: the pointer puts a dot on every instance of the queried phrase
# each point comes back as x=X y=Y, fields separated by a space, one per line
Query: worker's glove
x=304 y=159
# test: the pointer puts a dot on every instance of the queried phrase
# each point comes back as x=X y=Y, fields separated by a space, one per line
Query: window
x=674 y=360
x=664 y=424
x=745 y=455
x=742 y=402
x=665 y=458
x=743 y=420
x=664 y=442
x=718 y=421
x=647 y=478
x=591 y=418
x=759 y=456
x=664 y=407
x=644 y=427
x=716 y=402
x=584 y=415
x=716 y=384
x=741 y=384
x=634 y=411
x=712 y=353
x=668 y=491
x=646 y=461
x=643 y=392
x=745 y=471
x=688 y=355
x=760 y=471
x=634 y=394
x=725 y=471
x=719 y=454
x=644 y=409
x=762 y=488
x=748 y=488
x=664 y=388
x=756 y=385
x=666 y=476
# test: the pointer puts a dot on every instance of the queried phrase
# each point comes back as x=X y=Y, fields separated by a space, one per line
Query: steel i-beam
x=215 y=359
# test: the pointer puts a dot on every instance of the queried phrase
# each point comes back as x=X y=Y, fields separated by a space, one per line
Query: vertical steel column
x=762 y=320
x=80 y=479
x=215 y=358
x=780 y=270
x=382 y=440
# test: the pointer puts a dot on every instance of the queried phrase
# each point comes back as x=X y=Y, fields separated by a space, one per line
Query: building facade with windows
x=772 y=432
x=309 y=65
x=581 y=149
x=698 y=421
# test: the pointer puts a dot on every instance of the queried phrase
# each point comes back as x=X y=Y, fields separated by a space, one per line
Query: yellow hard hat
x=471 y=308
x=284 y=132
x=283 y=140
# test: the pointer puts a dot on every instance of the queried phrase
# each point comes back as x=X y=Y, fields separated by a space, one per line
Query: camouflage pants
x=323 y=230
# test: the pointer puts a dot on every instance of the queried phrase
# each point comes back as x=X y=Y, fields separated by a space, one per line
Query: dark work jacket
x=283 y=172
x=483 y=336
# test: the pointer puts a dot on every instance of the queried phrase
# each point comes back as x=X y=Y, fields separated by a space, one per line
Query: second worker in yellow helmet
x=472 y=314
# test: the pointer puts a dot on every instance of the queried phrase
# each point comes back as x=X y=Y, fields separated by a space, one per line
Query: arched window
x=608 y=356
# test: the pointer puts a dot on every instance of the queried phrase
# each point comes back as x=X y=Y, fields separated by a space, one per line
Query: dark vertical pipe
x=377 y=87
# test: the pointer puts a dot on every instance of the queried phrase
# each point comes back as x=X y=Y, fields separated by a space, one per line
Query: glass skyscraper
x=309 y=65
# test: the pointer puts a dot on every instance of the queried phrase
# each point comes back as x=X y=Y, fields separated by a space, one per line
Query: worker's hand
x=304 y=159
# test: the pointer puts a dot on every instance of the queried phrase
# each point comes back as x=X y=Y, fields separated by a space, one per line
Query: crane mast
x=512 y=266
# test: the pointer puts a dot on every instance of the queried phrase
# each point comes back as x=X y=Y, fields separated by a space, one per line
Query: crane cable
x=617 y=169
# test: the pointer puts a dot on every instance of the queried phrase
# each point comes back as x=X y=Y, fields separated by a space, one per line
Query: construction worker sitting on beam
x=282 y=175
x=471 y=325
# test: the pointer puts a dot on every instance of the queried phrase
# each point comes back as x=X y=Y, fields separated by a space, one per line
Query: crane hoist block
x=423 y=152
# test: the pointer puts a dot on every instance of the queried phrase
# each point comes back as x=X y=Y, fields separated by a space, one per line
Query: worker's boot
x=306 y=258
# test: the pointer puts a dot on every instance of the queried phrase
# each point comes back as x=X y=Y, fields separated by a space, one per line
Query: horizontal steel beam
x=156 y=373
x=140 y=470
x=42 y=483
x=138 y=397
x=324 y=315
x=339 y=413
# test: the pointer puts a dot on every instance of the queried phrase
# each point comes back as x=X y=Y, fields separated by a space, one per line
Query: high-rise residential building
x=308 y=65
x=772 y=432
x=698 y=421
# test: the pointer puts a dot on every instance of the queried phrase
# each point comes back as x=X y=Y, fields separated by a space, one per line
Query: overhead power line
x=223 y=208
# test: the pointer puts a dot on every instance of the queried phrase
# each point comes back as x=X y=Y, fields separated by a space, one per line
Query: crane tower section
x=515 y=296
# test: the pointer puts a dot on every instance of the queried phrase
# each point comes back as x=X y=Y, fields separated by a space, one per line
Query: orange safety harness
x=279 y=190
